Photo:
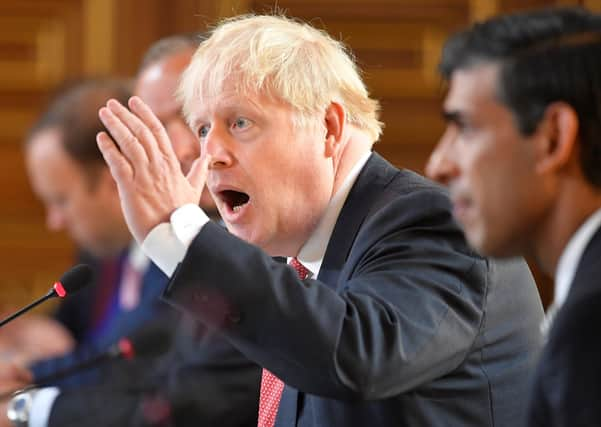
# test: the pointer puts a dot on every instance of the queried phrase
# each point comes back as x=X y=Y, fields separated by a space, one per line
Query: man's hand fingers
x=14 y=372
x=197 y=177
x=120 y=168
x=122 y=136
x=137 y=127
x=154 y=125
x=23 y=374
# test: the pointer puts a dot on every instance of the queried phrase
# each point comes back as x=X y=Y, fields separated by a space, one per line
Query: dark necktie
x=272 y=386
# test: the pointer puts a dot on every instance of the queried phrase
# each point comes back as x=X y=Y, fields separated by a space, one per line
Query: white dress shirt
x=568 y=263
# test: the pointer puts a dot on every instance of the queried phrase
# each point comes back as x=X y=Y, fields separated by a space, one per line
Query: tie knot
x=302 y=271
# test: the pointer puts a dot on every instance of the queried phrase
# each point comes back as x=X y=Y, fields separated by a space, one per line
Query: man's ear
x=558 y=144
x=335 y=124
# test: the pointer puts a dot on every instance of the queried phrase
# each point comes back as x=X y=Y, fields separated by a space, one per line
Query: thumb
x=197 y=177
x=20 y=373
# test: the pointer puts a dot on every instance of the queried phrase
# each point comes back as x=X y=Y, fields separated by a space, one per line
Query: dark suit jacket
x=202 y=381
x=404 y=325
x=567 y=390
x=76 y=312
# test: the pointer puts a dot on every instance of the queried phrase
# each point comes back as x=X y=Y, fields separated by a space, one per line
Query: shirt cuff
x=167 y=243
x=41 y=406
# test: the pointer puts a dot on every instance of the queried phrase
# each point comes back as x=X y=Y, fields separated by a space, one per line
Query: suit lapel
x=586 y=280
x=153 y=282
x=374 y=176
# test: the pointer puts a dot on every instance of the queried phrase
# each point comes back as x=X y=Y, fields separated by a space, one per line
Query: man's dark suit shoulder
x=400 y=326
x=568 y=382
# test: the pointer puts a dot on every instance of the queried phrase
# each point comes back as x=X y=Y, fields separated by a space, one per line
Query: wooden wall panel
x=397 y=44
x=141 y=22
x=43 y=42
x=36 y=53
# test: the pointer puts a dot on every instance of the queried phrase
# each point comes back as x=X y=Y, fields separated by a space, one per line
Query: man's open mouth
x=234 y=199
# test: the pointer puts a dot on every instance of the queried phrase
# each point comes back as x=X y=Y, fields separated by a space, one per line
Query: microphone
x=147 y=342
x=70 y=282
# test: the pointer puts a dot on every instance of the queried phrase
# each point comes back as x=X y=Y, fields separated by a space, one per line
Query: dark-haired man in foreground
x=522 y=158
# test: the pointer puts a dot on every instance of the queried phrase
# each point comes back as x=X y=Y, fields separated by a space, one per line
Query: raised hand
x=143 y=163
x=13 y=375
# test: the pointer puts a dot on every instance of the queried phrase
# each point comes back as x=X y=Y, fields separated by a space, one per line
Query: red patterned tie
x=272 y=386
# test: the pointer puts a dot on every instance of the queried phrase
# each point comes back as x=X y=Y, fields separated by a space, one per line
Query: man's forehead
x=159 y=94
x=472 y=85
x=229 y=99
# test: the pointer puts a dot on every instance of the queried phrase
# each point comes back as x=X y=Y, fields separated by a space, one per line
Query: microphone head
x=73 y=280
x=148 y=341
x=126 y=349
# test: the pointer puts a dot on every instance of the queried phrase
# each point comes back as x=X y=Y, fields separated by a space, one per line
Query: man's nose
x=219 y=145
x=441 y=165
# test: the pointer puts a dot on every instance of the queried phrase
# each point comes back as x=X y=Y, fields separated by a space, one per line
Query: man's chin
x=491 y=247
x=478 y=242
x=212 y=212
x=238 y=231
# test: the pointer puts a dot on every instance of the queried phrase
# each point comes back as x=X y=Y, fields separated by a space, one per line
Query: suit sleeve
x=49 y=368
x=405 y=308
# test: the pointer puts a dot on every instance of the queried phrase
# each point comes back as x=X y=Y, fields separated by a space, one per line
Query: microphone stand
x=49 y=295
x=112 y=352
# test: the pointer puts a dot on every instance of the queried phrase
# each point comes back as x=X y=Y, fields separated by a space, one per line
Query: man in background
x=201 y=380
x=522 y=158
x=67 y=173
x=157 y=82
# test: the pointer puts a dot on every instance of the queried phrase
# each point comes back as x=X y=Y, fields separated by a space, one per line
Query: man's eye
x=58 y=202
x=241 y=123
x=460 y=127
x=203 y=131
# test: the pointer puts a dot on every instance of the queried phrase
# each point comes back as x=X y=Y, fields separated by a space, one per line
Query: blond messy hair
x=285 y=60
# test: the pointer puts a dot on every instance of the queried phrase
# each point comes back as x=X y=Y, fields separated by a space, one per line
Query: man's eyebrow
x=453 y=116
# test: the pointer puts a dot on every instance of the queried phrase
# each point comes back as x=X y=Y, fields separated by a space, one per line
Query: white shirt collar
x=570 y=257
x=312 y=253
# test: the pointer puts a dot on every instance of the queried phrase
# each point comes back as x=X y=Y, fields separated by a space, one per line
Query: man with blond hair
x=384 y=315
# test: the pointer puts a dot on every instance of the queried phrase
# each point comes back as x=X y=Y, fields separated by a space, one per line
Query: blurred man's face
x=156 y=86
x=489 y=166
x=87 y=209
x=271 y=182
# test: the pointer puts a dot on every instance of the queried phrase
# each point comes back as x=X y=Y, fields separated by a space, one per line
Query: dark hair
x=544 y=56
x=73 y=112
x=168 y=46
